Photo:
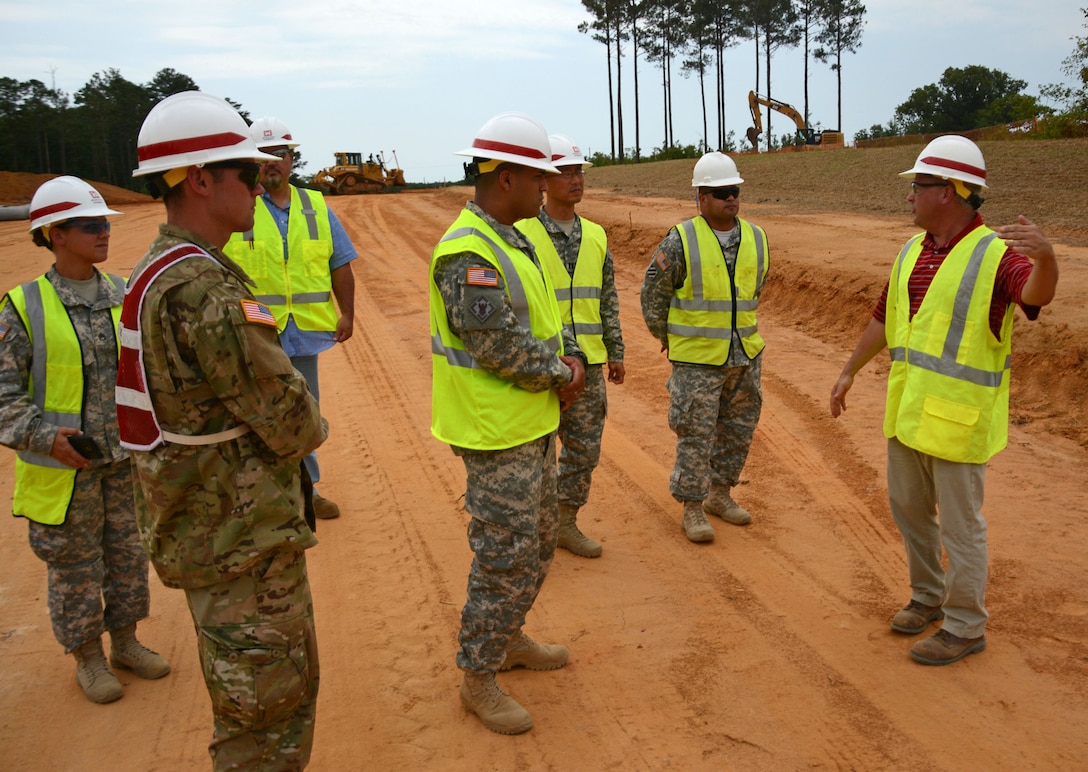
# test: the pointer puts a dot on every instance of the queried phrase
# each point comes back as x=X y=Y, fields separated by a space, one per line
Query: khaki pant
x=938 y=503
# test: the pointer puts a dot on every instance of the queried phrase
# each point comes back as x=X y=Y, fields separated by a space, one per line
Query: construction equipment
x=805 y=134
x=352 y=174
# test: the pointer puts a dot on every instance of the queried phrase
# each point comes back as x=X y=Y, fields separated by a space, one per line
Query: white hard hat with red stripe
x=63 y=198
x=951 y=157
x=566 y=153
x=271 y=132
x=193 y=128
x=515 y=138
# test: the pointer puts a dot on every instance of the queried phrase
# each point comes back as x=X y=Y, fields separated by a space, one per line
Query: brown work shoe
x=943 y=648
x=499 y=712
x=720 y=504
x=915 y=617
x=128 y=653
x=523 y=651
x=324 y=509
x=93 y=674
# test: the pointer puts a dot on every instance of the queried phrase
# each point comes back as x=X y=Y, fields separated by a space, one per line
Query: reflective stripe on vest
x=43 y=485
x=299 y=283
x=714 y=301
x=949 y=383
x=578 y=296
x=139 y=427
x=470 y=407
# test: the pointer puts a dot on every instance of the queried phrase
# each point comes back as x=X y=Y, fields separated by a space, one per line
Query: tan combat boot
x=93 y=674
x=720 y=504
x=482 y=695
x=523 y=651
x=129 y=653
x=573 y=540
x=696 y=528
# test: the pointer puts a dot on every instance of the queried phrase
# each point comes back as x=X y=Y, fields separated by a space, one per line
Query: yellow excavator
x=352 y=174
x=807 y=135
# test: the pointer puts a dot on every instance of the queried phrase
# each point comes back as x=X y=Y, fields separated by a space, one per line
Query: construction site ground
x=768 y=649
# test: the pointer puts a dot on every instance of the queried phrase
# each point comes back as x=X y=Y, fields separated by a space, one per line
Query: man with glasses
x=574 y=252
x=946 y=317
x=300 y=257
x=73 y=480
x=218 y=422
x=699 y=299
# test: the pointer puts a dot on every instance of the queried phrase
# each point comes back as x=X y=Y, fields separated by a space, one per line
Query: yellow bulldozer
x=805 y=134
x=352 y=174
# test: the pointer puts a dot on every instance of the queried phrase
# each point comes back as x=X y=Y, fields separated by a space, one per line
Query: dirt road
x=768 y=649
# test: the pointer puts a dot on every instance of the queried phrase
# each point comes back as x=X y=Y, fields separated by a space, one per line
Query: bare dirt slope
x=768 y=649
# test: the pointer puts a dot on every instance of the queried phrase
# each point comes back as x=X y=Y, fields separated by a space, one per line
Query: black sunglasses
x=281 y=153
x=249 y=172
x=725 y=193
x=90 y=227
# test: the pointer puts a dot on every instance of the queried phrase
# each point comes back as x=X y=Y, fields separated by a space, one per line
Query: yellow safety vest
x=948 y=389
x=712 y=304
x=43 y=485
x=301 y=285
x=470 y=407
x=578 y=296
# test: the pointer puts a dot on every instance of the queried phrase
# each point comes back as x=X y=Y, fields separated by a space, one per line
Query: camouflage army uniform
x=95 y=554
x=712 y=409
x=224 y=521
x=581 y=425
x=510 y=493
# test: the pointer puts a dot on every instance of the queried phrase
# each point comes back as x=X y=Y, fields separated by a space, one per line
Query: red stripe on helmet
x=503 y=147
x=63 y=206
x=188 y=145
x=954 y=165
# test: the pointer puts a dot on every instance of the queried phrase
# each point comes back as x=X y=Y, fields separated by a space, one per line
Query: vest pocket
x=946 y=424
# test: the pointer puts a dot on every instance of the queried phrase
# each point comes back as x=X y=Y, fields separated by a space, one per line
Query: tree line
x=691 y=37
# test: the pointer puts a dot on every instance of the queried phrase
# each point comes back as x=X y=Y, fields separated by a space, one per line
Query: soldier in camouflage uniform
x=699 y=298
x=503 y=364
x=218 y=435
x=574 y=251
x=58 y=364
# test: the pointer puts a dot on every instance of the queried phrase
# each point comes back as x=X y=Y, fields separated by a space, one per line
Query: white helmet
x=715 y=170
x=193 y=128
x=513 y=137
x=271 y=132
x=566 y=153
x=951 y=157
x=63 y=198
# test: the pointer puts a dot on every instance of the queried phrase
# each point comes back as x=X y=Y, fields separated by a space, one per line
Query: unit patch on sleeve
x=258 y=313
x=482 y=277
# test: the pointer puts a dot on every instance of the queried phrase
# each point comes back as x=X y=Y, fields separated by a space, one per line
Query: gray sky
x=421 y=76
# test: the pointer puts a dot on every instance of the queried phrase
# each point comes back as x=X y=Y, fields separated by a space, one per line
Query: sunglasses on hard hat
x=723 y=194
x=90 y=227
x=249 y=172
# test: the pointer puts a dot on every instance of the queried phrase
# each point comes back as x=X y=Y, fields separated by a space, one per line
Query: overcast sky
x=421 y=76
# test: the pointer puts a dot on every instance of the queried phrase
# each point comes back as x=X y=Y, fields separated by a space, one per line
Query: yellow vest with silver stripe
x=711 y=304
x=471 y=408
x=948 y=389
x=578 y=296
x=300 y=286
x=43 y=485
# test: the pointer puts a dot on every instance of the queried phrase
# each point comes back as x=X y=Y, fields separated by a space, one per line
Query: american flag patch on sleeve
x=482 y=277
x=258 y=313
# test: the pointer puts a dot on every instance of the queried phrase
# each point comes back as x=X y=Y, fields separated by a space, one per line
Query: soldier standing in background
x=502 y=365
x=574 y=253
x=699 y=298
x=58 y=365
x=218 y=422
